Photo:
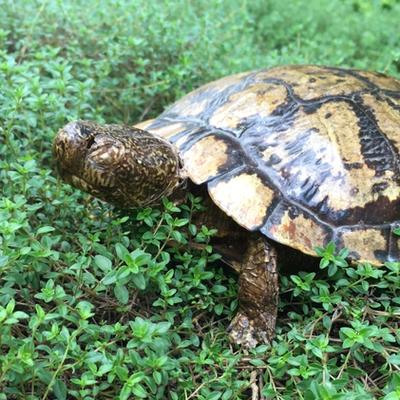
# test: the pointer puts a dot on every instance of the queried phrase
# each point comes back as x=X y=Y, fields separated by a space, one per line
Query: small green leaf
x=218 y=289
x=139 y=281
x=103 y=263
x=218 y=309
x=157 y=377
x=60 y=389
x=45 y=229
x=394 y=359
x=121 y=293
x=257 y=362
x=139 y=391
x=163 y=327
x=3 y=260
x=121 y=251
x=110 y=278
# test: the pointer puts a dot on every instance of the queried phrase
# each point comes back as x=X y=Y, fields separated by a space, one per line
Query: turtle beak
x=64 y=153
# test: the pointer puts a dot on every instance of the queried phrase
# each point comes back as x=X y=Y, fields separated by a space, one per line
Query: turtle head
x=122 y=165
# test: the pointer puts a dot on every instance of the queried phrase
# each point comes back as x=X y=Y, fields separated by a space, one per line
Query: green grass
x=93 y=305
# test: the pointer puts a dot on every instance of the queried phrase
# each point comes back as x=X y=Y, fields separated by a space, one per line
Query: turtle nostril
x=90 y=142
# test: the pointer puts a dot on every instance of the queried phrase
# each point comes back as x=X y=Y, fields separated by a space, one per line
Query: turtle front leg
x=258 y=295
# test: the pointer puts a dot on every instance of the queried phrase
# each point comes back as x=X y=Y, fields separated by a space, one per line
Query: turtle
x=295 y=156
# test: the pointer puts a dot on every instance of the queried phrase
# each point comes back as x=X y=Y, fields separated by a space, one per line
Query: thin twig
x=253 y=385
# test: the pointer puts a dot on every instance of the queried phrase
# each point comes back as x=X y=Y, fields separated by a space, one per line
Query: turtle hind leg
x=258 y=295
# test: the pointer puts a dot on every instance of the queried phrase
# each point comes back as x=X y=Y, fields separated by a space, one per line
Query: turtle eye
x=84 y=129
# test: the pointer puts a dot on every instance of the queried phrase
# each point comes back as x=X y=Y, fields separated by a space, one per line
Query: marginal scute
x=244 y=197
x=366 y=244
x=291 y=226
x=205 y=158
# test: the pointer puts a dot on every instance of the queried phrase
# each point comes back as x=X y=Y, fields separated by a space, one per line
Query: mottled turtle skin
x=299 y=155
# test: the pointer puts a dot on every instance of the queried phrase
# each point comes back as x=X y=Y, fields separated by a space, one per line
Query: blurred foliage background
x=92 y=303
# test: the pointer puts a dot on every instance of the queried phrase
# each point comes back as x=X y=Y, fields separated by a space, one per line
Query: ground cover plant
x=93 y=303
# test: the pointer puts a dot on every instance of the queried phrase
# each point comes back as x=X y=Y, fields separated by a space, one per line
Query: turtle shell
x=304 y=154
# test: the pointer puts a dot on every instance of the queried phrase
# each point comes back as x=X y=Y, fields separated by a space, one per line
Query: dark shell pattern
x=304 y=154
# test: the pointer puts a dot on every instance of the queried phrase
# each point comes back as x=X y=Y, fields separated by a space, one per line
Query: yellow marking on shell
x=345 y=189
x=382 y=81
x=336 y=145
x=189 y=107
x=310 y=81
x=388 y=118
x=144 y=124
x=167 y=131
x=299 y=232
x=204 y=158
x=341 y=131
x=245 y=198
x=335 y=122
x=223 y=83
x=365 y=242
x=395 y=101
x=259 y=99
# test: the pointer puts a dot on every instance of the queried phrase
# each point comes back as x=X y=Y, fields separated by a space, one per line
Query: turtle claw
x=245 y=332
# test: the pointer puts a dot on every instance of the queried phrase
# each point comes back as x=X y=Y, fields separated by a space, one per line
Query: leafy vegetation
x=93 y=303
